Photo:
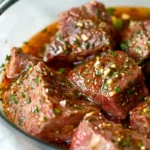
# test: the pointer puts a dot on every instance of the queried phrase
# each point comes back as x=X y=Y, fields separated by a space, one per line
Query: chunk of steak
x=83 y=31
x=44 y=104
x=97 y=133
x=135 y=40
x=113 y=81
x=19 y=61
x=140 y=117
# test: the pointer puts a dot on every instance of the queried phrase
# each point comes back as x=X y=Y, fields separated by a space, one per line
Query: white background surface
x=17 y=25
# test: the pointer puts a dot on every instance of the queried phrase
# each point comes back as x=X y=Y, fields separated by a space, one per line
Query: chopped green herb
x=36 y=110
x=29 y=100
x=137 y=49
x=107 y=42
x=97 y=72
x=112 y=53
x=26 y=43
x=2 y=66
x=148 y=110
x=57 y=111
x=15 y=101
x=130 y=73
x=12 y=97
x=37 y=80
x=125 y=142
x=76 y=42
x=138 y=32
x=111 y=73
x=71 y=84
x=45 y=119
x=117 y=22
x=44 y=30
x=134 y=41
x=87 y=45
x=40 y=101
x=7 y=57
x=75 y=26
x=114 y=73
x=59 y=36
x=140 y=144
x=111 y=11
x=124 y=46
x=66 y=52
x=141 y=61
x=28 y=67
x=78 y=75
x=82 y=86
x=23 y=95
x=93 y=45
x=26 y=75
x=98 y=14
x=20 y=120
x=15 y=111
x=117 y=89
x=105 y=87
x=62 y=70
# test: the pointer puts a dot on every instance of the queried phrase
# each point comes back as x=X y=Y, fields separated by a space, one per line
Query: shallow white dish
x=18 y=24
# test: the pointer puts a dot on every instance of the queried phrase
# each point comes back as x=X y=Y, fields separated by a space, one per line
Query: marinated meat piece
x=113 y=81
x=83 y=31
x=19 y=61
x=140 y=117
x=97 y=133
x=44 y=104
x=135 y=40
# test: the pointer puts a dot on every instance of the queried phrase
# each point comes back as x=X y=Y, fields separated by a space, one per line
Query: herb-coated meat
x=114 y=81
x=83 y=31
x=140 y=117
x=97 y=133
x=19 y=61
x=44 y=104
x=135 y=40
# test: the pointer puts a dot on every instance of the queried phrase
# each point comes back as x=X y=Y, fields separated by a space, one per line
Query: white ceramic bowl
x=18 y=24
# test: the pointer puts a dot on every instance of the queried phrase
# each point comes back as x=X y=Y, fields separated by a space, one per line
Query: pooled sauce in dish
x=35 y=46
